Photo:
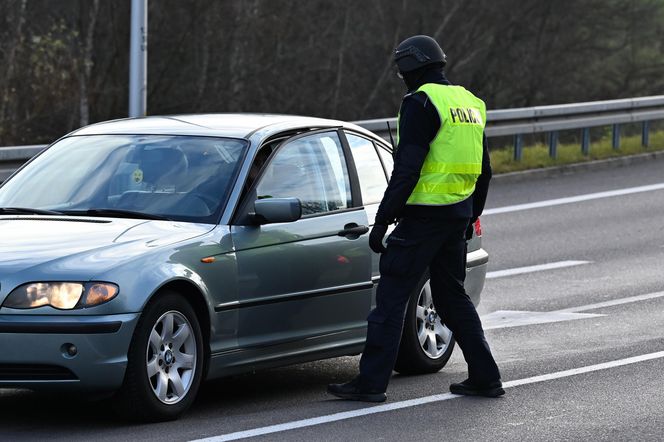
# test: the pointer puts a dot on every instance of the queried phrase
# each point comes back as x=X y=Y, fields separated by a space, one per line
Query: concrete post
x=138 y=58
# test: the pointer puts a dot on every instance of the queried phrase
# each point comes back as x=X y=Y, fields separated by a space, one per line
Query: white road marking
x=270 y=429
x=582 y=370
x=516 y=318
x=510 y=318
x=573 y=199
x=611 y=303
x=535 y=268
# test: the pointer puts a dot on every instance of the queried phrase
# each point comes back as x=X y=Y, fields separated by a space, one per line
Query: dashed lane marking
x=271 y=429
x=574 y=199
x=611 y=303
x=512 y=318
x=535 y=268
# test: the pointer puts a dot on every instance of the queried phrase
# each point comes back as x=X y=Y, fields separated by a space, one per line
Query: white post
x=138 y=58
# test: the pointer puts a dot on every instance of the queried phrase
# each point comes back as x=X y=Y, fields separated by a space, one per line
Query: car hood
x=87 y=245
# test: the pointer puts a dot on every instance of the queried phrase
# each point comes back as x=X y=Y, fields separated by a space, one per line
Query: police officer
x=437 y=191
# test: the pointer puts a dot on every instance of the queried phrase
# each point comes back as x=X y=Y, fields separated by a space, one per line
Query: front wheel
x=426 y=343
x=165 y=361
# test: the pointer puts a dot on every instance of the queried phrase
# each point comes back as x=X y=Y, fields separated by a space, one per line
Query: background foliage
x=64 y=63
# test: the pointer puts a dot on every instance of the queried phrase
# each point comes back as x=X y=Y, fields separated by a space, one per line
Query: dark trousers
x=415 y=245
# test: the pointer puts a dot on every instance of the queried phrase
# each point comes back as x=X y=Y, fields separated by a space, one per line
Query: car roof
x=239 y=125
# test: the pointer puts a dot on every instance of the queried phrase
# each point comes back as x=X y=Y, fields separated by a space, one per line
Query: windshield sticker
x=137 y=176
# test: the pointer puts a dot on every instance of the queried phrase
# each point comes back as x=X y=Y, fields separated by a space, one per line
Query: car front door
x=305 y=283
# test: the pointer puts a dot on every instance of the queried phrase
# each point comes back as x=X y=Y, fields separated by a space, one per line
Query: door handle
x=353 y=231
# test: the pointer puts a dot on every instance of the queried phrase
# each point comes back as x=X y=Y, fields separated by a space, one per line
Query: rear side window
x=312 y=169
x=369 y=170
x=388 y=161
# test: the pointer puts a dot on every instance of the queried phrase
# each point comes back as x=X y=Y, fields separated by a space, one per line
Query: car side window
x=388 y=160
x=311 y=168
x=369 y=169
x=259 y=161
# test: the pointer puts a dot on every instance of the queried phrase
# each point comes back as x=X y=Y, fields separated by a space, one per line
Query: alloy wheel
x=171 y=357
x=433 y=335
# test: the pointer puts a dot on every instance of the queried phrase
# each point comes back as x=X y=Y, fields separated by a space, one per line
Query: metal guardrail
x=11 y=158
x=552 y=119
x=505 y=122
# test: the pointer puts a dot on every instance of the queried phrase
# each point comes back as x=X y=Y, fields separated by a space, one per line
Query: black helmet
x=418 y=51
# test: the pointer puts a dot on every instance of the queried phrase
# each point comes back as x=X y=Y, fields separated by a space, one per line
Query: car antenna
x=389 y=130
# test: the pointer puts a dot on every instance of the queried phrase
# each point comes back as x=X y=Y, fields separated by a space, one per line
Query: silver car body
x=274 y=295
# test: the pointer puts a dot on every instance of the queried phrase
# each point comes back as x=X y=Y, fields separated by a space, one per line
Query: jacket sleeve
x=482 y=185
x=418 y=125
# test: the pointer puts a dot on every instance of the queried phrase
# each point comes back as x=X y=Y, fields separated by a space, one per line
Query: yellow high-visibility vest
x=454 y=161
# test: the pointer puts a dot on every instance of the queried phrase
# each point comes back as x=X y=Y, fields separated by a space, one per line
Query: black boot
x=355 y=392
x=468 y=388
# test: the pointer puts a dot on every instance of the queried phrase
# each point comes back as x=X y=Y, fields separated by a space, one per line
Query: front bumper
x=33 y=351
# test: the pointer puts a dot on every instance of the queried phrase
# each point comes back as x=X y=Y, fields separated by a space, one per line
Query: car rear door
x=374 y=165
x=306 y=283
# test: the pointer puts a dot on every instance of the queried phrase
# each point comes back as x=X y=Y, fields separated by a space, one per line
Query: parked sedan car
x=143 y=256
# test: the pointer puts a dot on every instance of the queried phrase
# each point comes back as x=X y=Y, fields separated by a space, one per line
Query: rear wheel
x=165 y=361
x=426 y=343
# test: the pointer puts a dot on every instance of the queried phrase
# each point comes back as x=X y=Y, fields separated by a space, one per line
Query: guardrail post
x=585 y=141
x=518 y=147
x=615 y=142
x=553 y=145
x=645 y=134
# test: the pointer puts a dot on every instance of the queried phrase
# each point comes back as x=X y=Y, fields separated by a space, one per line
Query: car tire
x=426 y=344
x=164 y=363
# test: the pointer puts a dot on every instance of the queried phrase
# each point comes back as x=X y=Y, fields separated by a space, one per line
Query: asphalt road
x=618 y=245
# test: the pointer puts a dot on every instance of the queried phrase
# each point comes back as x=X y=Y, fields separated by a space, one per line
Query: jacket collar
x=430 y=76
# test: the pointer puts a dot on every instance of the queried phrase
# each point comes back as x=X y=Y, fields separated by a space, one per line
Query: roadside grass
x=537 y=156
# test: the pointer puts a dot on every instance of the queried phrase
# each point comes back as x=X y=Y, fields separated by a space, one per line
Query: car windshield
x=182 y=178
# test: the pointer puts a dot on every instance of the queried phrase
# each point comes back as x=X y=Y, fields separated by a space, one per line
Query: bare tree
x=64 y=64
x=86 y=64
x=15 y=42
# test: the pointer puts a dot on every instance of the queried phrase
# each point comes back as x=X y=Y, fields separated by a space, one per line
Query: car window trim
x=332 y=212
x=242 y=208
x=355 y=188
x=377 y=145
x=380 y=158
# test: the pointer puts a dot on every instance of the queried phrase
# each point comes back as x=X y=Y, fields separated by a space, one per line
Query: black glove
x=376 y=238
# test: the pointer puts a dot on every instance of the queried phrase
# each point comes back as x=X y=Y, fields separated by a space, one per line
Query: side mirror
x=277 y=210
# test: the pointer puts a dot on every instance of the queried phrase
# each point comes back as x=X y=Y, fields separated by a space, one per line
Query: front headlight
x=61 y=295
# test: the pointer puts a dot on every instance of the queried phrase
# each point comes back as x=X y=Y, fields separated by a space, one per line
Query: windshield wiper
x=27 y=211
x=116 y=213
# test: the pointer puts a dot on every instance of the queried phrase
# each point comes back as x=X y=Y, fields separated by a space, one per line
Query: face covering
x=415 y=79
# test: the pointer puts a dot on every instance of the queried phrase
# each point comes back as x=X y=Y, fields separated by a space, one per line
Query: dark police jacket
x=418 y=125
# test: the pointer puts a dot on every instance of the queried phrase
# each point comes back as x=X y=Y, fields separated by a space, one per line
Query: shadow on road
x=26 y=414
